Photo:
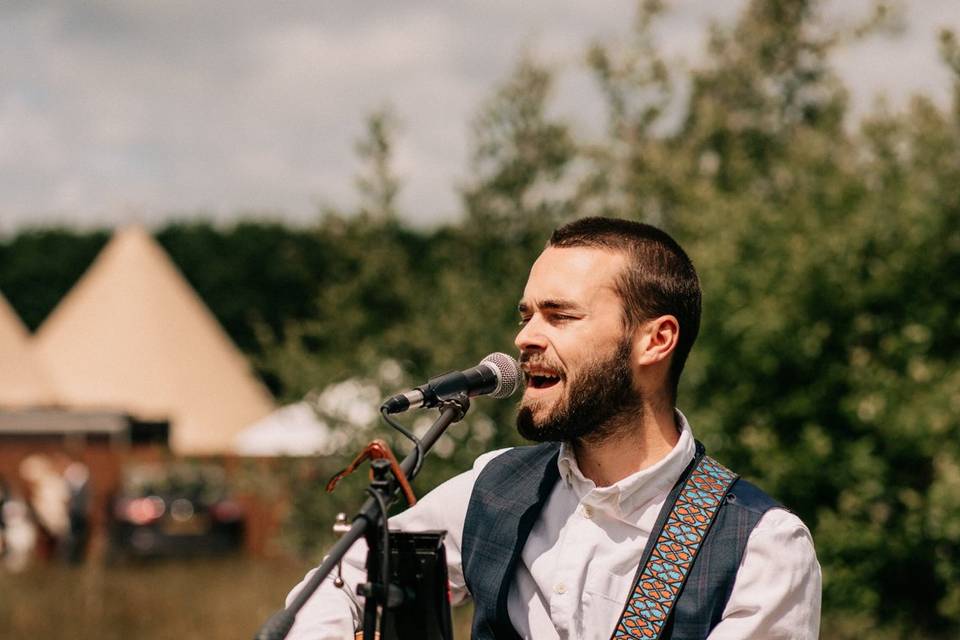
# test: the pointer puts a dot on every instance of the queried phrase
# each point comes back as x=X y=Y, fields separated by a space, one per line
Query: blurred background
x=229 y=232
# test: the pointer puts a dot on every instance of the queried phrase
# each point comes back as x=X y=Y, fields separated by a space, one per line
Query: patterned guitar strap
x=668 y=562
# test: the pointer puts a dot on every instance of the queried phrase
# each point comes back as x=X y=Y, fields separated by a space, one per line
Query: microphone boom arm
x=279 y=625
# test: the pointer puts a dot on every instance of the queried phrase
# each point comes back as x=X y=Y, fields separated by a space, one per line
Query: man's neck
x=637 y=443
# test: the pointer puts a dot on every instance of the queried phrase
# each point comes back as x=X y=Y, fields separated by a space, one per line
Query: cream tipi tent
x=132 y=335
x=23 y=383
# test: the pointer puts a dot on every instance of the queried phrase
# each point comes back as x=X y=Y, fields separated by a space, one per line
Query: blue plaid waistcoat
x=506 y=502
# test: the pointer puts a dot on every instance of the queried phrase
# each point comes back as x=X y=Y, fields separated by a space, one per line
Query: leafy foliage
x=32 y=281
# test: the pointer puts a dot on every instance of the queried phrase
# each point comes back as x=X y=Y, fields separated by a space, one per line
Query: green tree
x=39 y=266
x=377 y=184
x=519 y=156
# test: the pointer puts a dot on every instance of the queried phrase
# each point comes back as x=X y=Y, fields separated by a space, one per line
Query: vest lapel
x=506 y=502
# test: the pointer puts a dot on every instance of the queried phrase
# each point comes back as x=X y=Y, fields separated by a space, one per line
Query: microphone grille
x=508 y=374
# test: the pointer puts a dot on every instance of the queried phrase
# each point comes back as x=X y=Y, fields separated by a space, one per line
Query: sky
x=113 y=112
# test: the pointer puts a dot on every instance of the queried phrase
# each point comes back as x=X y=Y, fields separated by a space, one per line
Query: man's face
x=573 y=348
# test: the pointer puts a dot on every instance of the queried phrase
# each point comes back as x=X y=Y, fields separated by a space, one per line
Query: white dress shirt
x=578 y=564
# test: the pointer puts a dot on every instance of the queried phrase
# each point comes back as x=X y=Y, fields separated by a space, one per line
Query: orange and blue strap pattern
x=676 y=548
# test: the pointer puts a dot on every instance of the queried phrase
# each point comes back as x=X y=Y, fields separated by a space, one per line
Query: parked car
x=174 y=509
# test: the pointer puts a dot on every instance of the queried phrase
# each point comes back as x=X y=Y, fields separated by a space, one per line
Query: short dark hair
x=659 y=278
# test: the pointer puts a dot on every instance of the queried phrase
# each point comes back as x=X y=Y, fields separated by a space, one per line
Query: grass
x=204 y=599
x=207 y=599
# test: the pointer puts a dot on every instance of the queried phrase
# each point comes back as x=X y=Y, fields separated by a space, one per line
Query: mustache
x=535 y=358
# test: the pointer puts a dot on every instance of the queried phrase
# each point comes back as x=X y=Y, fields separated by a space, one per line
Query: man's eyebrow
x=557 y=304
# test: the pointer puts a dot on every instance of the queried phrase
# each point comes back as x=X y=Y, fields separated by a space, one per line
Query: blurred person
x=4 y=493
x=548 y=540
x=48 y=498
x=20 y=534
x=77 y=477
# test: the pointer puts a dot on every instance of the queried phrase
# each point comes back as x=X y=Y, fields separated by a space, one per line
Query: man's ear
x=655 y=340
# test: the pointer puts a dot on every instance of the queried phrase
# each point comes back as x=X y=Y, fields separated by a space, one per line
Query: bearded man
x=617 y=517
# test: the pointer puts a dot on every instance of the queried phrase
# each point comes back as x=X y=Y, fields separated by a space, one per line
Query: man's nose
x=531 y=337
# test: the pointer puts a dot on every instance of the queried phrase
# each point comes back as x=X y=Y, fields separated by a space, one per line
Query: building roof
x=56 y=421
x=23 y=383
x=133 y=336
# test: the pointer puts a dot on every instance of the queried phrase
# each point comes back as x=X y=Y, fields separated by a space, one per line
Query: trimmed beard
x=595 y=399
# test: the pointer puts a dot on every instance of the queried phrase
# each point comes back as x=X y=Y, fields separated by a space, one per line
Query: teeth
x=543 y=378
x=539 y=378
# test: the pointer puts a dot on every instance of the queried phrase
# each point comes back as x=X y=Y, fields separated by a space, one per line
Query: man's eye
x=523 y=321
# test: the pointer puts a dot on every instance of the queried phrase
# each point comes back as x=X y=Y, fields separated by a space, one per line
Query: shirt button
x=587 y=511
x=559 y=588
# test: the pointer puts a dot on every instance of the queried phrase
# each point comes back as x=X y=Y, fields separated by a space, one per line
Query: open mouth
x=542 y=380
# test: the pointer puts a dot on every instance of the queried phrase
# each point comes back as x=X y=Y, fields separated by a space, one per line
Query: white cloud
x=115 y=110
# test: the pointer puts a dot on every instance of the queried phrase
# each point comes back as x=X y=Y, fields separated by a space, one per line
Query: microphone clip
x=460 y=402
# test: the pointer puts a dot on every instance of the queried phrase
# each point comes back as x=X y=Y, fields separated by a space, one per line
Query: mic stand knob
x=340 y=527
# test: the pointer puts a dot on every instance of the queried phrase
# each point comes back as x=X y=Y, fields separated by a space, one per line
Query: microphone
x=497 y=375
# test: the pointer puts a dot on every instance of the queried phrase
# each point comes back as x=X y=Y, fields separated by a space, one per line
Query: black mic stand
x=370 y=521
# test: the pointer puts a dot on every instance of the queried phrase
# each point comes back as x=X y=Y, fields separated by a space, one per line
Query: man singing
x=617 y=521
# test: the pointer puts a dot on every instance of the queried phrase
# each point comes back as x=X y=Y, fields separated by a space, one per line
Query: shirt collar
x=629 y=494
